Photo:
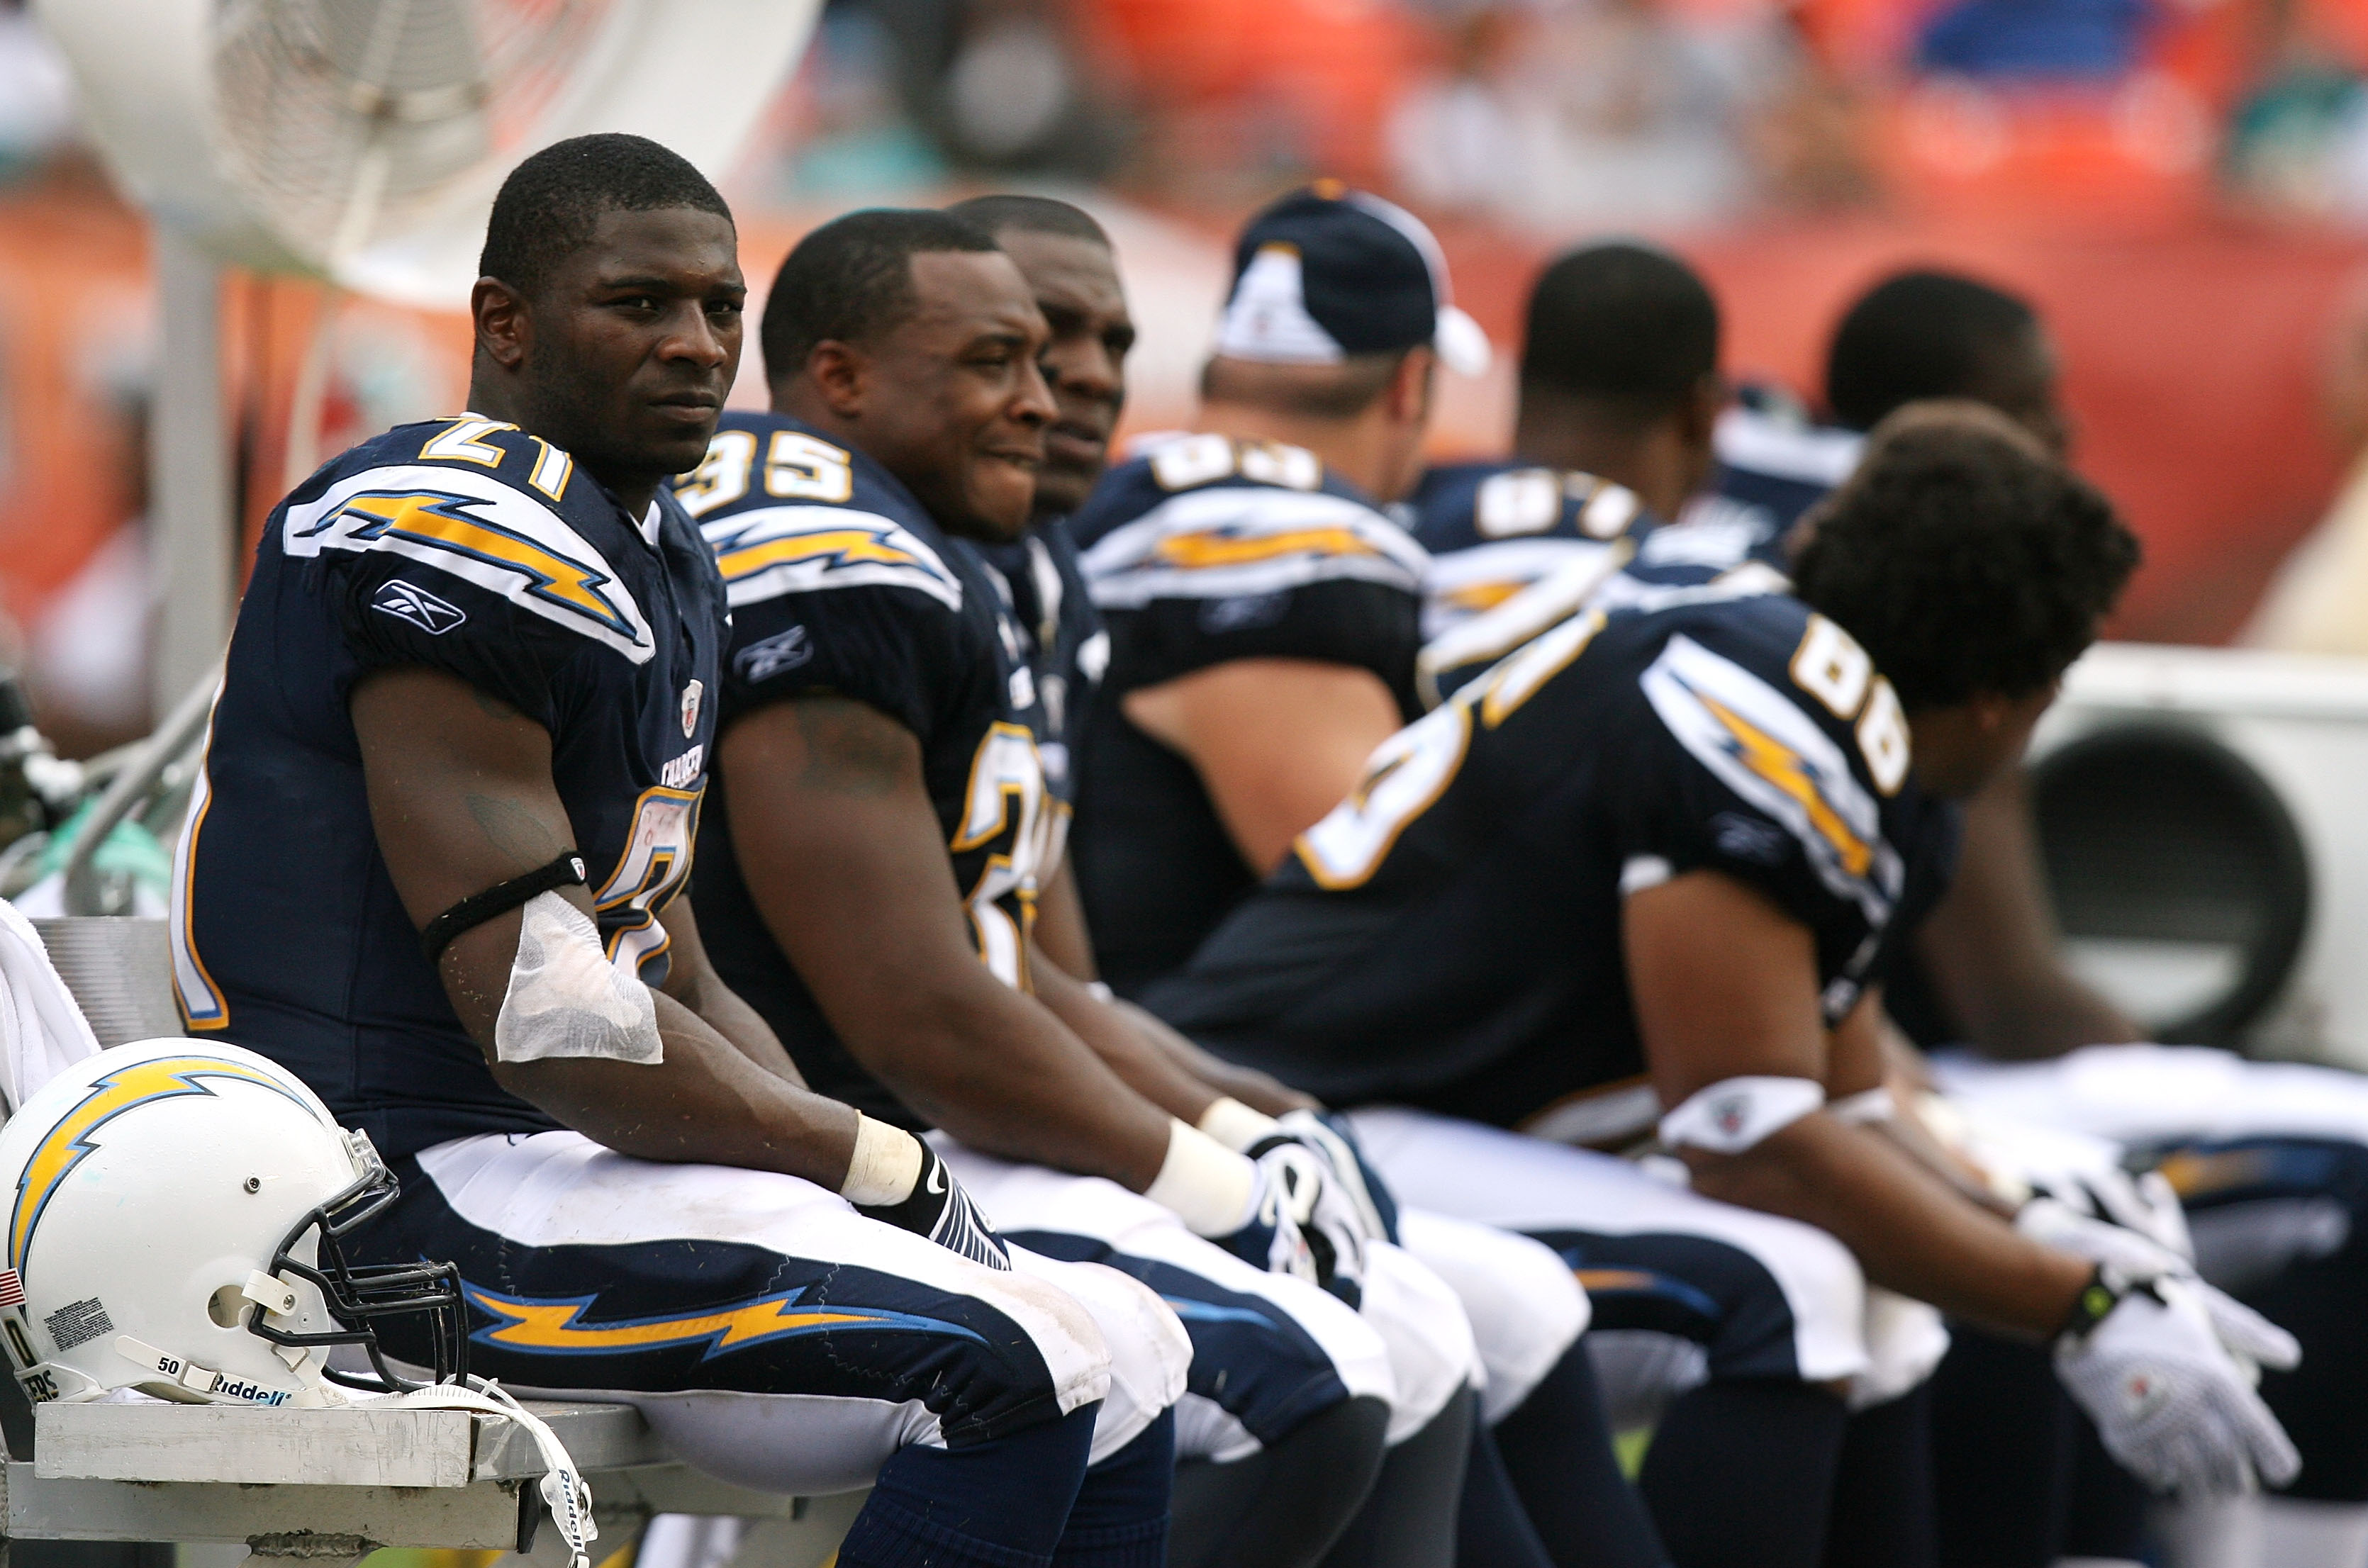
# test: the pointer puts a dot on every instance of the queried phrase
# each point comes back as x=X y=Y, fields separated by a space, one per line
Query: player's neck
x=634 y=491
x=1363 y=450
x=1649 y=459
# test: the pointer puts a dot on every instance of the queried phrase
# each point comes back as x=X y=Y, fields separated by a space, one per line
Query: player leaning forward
x=1677 y=841
x=435 y=868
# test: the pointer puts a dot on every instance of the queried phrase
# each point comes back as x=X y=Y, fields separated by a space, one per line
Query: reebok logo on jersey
x=408 y=601
x=782 y=650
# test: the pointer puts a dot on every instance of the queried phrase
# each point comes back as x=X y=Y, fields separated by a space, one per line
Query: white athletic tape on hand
x=1235 y=1125
x=567 y=1000
x=1209 y=1186
x=1733 y=1114
x=1865 y=1107
x=887 y=1163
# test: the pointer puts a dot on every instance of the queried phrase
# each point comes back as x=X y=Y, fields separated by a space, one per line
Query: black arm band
x=500 y=899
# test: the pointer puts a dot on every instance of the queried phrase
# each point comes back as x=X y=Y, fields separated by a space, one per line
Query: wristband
x=1209 y=1186
x=2095 y=1302
x=1235 y=1125
x=885 y=1166
x=1865 y=1107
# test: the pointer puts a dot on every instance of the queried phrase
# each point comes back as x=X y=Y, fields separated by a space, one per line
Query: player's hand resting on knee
x=2140 y=1259
x=1330 y=1135
x=2170 y=1403
x=898 y=1180
x=1299 y=1199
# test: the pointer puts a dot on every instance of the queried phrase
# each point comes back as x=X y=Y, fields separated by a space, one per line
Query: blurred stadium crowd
x=2128 y=162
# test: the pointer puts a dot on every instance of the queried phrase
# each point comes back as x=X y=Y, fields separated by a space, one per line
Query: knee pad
x=1147 y=1350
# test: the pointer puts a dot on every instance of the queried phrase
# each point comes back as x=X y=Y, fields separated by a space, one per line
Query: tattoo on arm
x=515 y=830
x=848 y=751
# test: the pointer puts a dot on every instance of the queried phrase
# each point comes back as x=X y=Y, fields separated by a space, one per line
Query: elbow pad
x=1736 y=1114
x=565 y=997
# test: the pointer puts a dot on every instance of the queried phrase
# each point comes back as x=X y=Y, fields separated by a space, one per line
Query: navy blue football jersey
x=1514 y=548
x=841 y=585
x=1773 y=465
x=1043 y=585
x=468 y=546
x=1449 y=936
x=1202 y=551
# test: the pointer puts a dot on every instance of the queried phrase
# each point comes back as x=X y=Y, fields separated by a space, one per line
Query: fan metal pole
x=192 y=530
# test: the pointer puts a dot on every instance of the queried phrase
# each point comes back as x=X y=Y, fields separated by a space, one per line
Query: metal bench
x=330 y=1486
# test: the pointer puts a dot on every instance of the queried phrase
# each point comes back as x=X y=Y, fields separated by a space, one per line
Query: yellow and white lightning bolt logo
x=854 y=546
x=68 y=1143
x=1226 y=547
x=450 y=522
x=1785 y=768
x=555 y=1326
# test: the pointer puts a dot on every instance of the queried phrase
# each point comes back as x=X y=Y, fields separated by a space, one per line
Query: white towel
x=42 y=1032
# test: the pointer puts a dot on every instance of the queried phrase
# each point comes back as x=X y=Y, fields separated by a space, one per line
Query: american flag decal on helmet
x=12 y=1288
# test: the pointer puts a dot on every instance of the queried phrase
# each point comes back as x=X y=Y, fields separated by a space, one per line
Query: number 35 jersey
x=1449 y=936
x=841 y=586
x=466 y=546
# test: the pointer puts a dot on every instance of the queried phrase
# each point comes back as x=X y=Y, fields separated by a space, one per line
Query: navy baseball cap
x=1328 y=272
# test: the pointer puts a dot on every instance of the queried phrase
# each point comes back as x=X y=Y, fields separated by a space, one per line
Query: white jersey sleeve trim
x=1229 y=542
x=482 y=531
x=1760 y=744
x=793 y=550
x=1807 y=454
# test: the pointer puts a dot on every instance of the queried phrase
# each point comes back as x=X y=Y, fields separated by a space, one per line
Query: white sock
x=2225 y=1532
x=2296 y=1533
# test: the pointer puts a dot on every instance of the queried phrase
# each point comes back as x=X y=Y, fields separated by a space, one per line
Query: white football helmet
x=177 y=1211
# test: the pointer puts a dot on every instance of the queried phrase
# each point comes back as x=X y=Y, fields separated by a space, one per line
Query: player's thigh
x=1267 y=1351
x=1763 y=1295
x=774 y=1334
x=1525 y=1305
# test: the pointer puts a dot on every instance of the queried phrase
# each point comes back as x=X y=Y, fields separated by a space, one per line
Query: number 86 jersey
x=1449 y=936
x=842 y=586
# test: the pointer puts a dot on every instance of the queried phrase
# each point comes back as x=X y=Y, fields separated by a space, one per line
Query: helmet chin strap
x=563 y=1490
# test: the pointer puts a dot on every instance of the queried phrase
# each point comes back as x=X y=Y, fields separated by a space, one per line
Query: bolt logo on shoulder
x=451 y=522
x=68 y=1142
x=555 y=1326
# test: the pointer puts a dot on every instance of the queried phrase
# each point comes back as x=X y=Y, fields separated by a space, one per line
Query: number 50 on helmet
x=176 y=1220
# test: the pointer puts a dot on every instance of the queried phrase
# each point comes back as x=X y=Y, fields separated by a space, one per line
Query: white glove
x=2169 y=1402
x=1331 y=1136
x=2145 y=1204
x=2254 y=1340
x=1319 y=1209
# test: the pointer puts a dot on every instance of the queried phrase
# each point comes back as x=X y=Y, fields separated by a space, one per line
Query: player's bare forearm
x=706 y=1103
x=1060 y=929
x=1990 y=945
x=1909 y=1231
x=1121 y=1044
x=842 y=850
x=462 y=798
x=1253 y=1088
x=692 y=980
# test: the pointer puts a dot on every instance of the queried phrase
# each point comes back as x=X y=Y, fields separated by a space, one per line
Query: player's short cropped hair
x=1917 y=335
x=1969 y=561
x=852 y=279
x=550 y=203
x=1624 y=325
x=1004 y=212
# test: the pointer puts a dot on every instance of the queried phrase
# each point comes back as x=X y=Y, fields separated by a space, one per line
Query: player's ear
x=1704 y=402
x=842 y=373
x=499 y=313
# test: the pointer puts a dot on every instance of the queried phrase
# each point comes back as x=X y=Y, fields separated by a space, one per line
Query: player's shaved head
x=1967 y=560
x=1626 y=326
x=851 y=280
x=1006 y=211
x=1930 y=334
x=551 y=203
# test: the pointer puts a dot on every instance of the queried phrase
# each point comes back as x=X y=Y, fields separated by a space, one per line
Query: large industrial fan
x=360 y=143
x=2200 y=816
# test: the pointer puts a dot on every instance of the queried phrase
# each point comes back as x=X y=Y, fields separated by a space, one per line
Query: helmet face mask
x=357 y=1296
x=181 y=1221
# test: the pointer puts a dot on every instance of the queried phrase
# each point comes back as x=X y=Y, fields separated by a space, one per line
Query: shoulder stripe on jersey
x=1232 y=540
x=201 y=1000
x=1759 y=742
x=790 y=549
x=482 y=531
x=1809 y=455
